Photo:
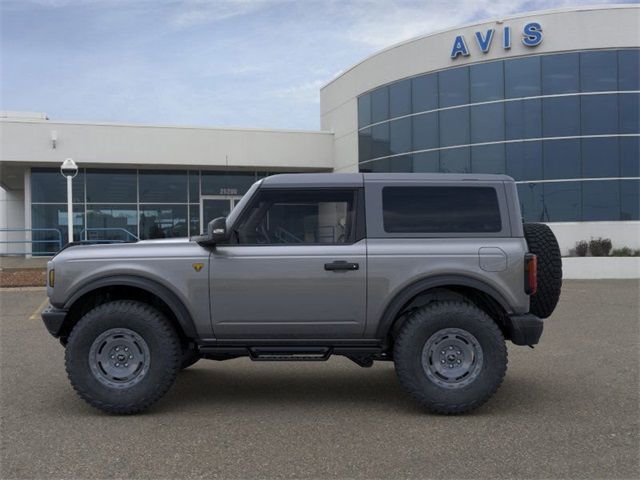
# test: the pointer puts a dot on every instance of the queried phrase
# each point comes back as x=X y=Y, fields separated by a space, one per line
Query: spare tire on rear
x=542 y=242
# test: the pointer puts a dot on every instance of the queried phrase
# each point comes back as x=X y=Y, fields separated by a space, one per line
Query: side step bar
x=290 y=354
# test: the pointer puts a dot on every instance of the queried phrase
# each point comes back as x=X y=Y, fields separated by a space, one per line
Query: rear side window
x=443 y=209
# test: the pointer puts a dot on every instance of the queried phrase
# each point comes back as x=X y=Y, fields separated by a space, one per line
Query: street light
x=69 y=169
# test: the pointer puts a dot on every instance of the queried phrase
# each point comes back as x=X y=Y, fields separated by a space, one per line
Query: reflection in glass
x=424 y=93
x=400 y=135
x=380 y=104
x=530 y=195
x=194 y=186
x=599 y=114
x=629 y=69
x=365 y=145
x=522 y=77
x=54 y=217
x=400 y=99
x=629 y=156
x=630 y=200
x=523 y=119
x=524 y=160
x=600 y=200
x=380 y=140
x=364 y=110
x=560 y=73
x=487 y=123
x=454 y=126
x=455 y=160
x=599 y=71
x=561 y=202
x=561 y=116
x=561 y=159
x=194 y=219
x=163 y=186
x=600 y=157
x=163 y=221
x=111 y=222
x=454 y=87
x=488 y=159
x=111 y=186
x=487 y=81
x=629 y=112
x=425 y=131
x=48 y=185
x=426 y=162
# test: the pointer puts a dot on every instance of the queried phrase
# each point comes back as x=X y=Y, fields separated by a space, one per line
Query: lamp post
x=69 y=169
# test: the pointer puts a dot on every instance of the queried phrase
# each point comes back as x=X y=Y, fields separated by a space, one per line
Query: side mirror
x=217 y=229
x=216 y=232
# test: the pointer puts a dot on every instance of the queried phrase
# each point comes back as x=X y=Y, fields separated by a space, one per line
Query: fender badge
x=198 y=266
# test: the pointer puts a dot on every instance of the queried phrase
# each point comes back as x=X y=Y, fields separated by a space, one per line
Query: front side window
x=280 y=217
x=440 y=209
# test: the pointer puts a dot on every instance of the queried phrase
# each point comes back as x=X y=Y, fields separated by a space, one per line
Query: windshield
x=233 y=215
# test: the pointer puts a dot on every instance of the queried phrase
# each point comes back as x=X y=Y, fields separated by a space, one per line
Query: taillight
x=530 y=274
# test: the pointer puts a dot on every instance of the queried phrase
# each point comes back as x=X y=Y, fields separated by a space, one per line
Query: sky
x=242 y=63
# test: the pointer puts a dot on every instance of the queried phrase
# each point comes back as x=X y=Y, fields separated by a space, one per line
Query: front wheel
x=122 y=356
x=450 y=356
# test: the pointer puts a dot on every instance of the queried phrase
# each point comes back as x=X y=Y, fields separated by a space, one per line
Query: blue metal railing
x=57 y=242
x=128 y=237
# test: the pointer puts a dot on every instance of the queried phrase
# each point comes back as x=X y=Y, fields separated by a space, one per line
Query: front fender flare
x=176 y=305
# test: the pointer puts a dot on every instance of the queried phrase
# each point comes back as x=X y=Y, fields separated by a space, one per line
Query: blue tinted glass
x=365 y=145
x=600 y=157
x=402 y=164
x=488 y=159
x=376 y=166
x=454 y=127
x=487 y=81
x=599 y=114
x=628 y=70
x=48 y=185
x=111 y=222
x=424 y=92
x=598 y=71
x=380 y=105
x=425 y=131
x=194 y=186
x=562 y=202
x=524 y=160
x=400 y=99
x=454 y=87
x=600 y=200
x=629 y=112
x=400 y=136
x=426 y=162
x=163 y=186
x=53 y=217
x=630 y=200
x=561 y=116
x=163 y=221
x=112 y=186
x=380 y=140
x=455 y=160
x=561 y=159
x=364 y=110
x=523 y=119
x=530 y=195
x=560 y=73
x=630 y=156
x=487 y=123
x=522 y=77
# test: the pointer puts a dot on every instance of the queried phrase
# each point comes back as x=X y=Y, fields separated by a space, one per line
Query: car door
x=295 y=267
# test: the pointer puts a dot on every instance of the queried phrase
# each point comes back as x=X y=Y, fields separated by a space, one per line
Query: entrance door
x=214 y=206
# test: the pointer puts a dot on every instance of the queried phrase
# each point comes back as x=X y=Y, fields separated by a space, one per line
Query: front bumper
x=525 y=329
x=53 y=319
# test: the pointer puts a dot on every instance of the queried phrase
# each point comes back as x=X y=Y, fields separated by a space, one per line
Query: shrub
x=622 y=252
x=582 y=247
x=600 y=247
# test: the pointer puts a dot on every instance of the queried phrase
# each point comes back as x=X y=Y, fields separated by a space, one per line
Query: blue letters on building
x=531 y=37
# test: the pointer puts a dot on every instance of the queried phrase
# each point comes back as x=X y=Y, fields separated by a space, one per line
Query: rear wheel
x=542 y=242
x=122 y=356
x=451 y=356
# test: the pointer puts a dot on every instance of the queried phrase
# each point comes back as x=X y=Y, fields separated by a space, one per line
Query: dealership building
x=550 y=98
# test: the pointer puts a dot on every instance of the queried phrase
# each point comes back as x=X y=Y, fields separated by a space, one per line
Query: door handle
x=341 y=265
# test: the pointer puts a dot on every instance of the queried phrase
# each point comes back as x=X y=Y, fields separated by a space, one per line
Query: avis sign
x=531 y=37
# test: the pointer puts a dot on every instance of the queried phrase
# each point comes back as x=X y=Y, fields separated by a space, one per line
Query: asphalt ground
x=568 y=409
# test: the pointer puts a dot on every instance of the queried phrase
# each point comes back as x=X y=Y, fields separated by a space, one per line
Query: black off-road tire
x=162 y=346
x=542 y=242
x=189 y=356
x=415 y=336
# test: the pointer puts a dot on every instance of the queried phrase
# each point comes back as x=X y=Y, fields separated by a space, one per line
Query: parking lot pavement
x=567 y=409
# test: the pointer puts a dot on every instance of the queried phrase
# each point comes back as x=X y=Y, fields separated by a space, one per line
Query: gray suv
x=433 y=272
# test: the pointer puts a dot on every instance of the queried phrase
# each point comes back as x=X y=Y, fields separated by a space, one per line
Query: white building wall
x=12 y=217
